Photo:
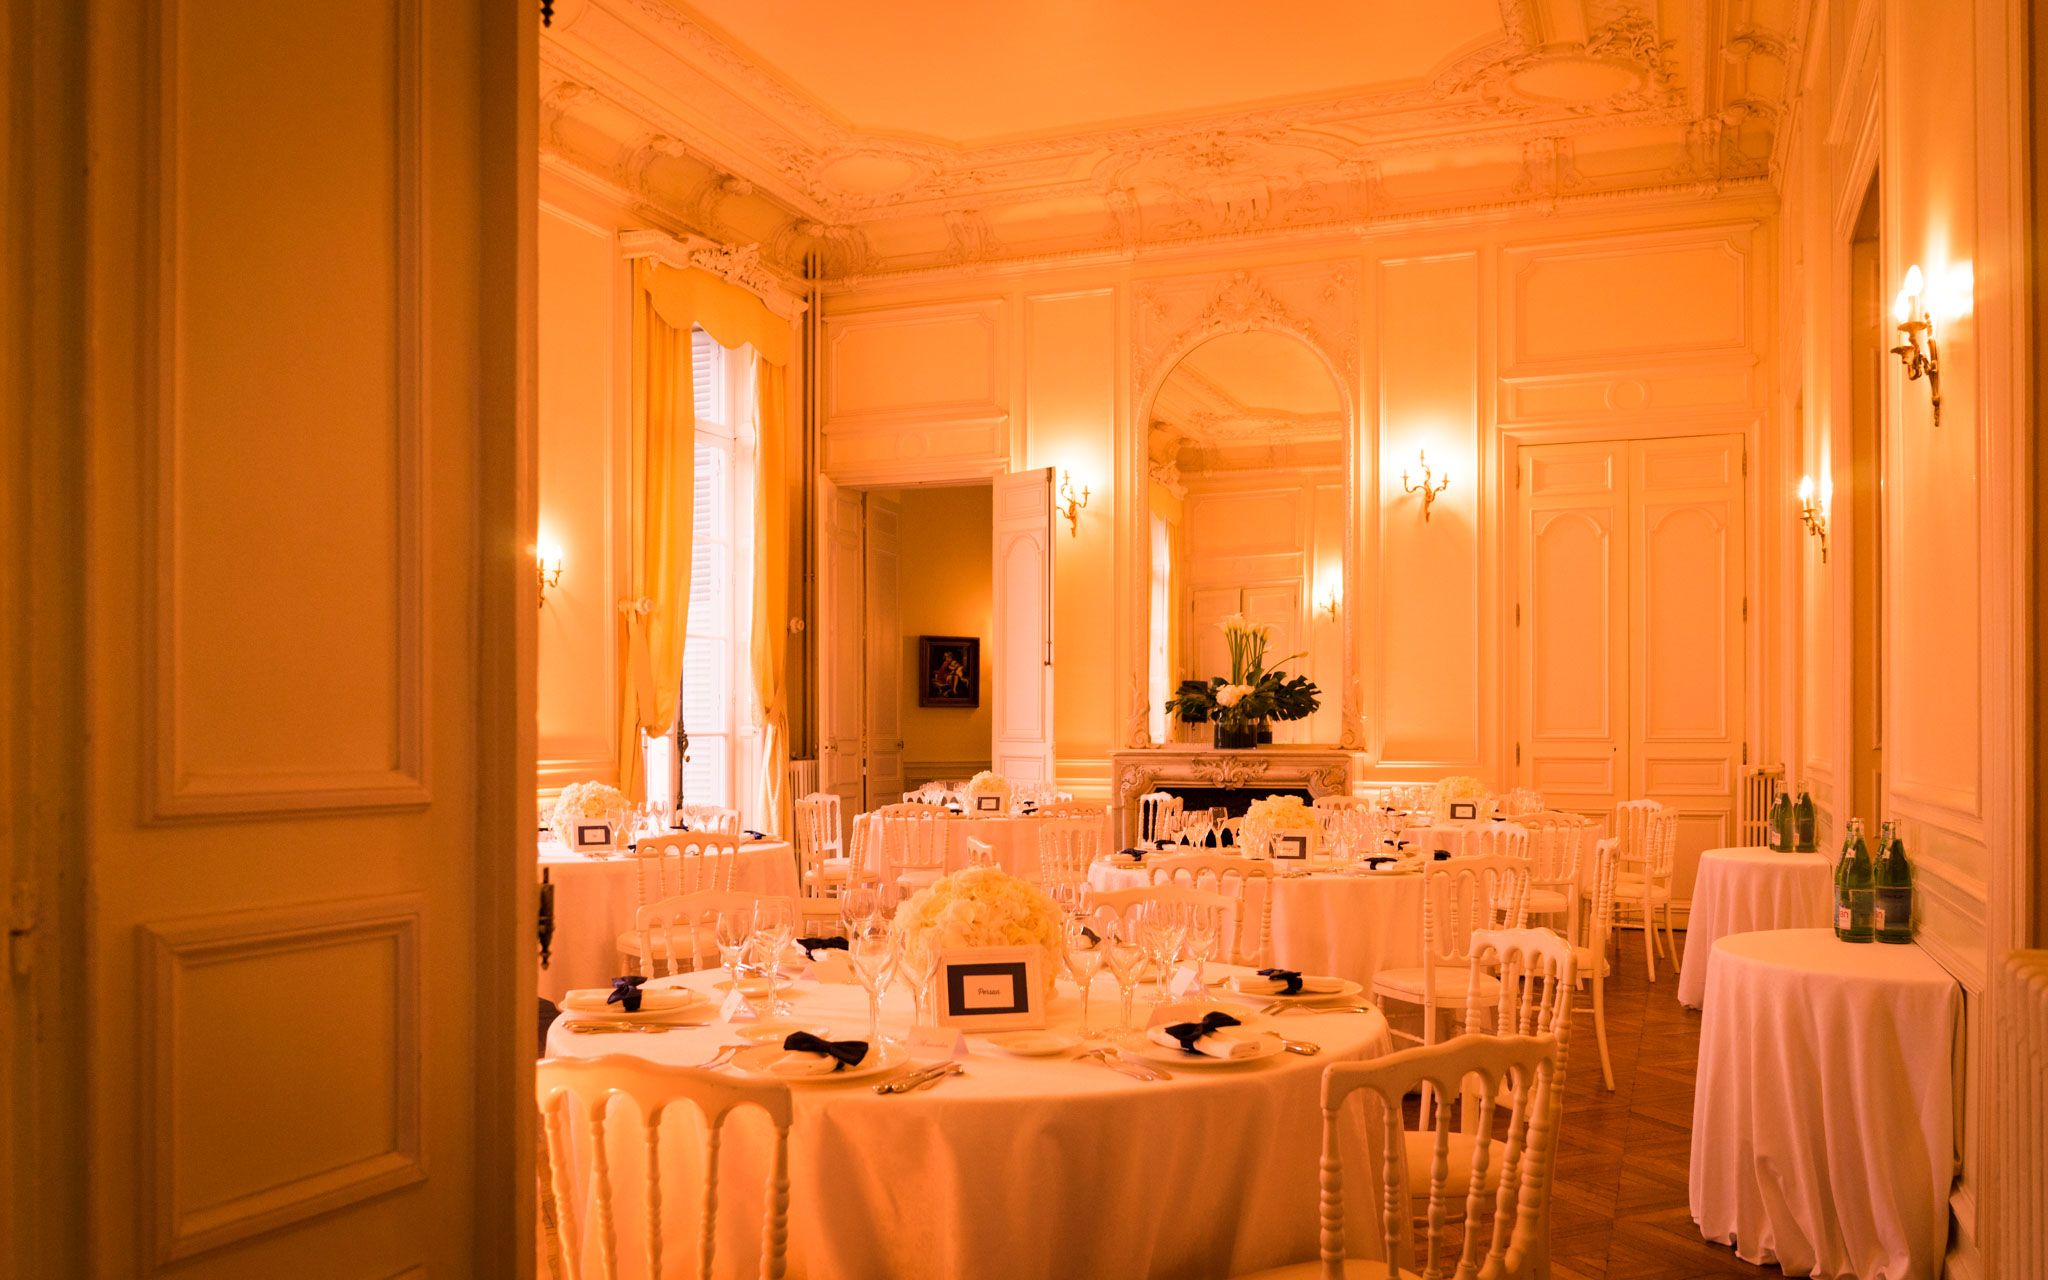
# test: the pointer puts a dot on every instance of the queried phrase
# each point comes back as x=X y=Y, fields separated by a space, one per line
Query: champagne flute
x=1204 y=930
x=735 y=925
x=775 y=921
x=1126 y=961
x=1194 y=827
x=873 y=953
x=1084 y=961
x=1219 y=822
x=917 y=959
x=1162 y=929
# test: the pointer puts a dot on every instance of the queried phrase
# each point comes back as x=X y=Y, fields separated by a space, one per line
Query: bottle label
x=1842 y=919
x=1896 y=905
x=1877 y=916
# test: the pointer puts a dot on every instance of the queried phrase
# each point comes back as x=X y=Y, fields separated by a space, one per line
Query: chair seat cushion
x=1422 y=1149
x=912 y=881
x=831 y=869
x=1547 y=902
x=1407 y=984
x=1630 y=889
x=1589 y=963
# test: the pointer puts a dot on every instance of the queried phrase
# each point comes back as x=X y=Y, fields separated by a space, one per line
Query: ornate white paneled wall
x=1469 y=339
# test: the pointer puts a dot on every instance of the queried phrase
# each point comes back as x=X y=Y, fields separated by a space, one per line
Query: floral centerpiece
x=1251 y=695
x=1463 y=789
x=989 y=784
x=590 y=802
x=983 y=907
x=1276 y=815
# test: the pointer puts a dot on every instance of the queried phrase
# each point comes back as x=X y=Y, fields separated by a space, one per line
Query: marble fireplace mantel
x=1321 y=771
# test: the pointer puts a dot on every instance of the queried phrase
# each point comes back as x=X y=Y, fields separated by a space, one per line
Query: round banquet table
x=1337 y=923
x=1742 y=891
x=595 y=899
x=1020 y=1167
x=1824 y=1127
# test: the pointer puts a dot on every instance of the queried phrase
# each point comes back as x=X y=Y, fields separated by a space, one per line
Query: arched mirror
x=1248 y=448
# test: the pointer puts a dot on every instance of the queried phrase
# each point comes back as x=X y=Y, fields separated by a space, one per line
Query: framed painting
x=948 y=671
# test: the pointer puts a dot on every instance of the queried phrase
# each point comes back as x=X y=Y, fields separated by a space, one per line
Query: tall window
x=717 y=706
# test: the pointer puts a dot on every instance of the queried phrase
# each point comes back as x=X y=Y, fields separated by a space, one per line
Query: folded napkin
x=812 y=946
x=1210 y=1037
x=755 y=835
x=806 y=1051
x=627 y=993
x=1284 y=982
x=1135 y=855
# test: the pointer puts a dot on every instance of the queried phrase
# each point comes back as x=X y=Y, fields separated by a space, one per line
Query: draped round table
x=1824 y=1111
x=595 y=899
x=1744 y=890
x=1021 y=1167
x=1343 y=924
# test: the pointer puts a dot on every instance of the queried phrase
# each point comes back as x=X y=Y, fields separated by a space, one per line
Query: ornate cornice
x=739 y=264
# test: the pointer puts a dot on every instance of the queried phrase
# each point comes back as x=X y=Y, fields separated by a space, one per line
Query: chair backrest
x=1463 y=895
x=683 y=862
x=1157 y=812
x=817 y=835
x=1075 y=809
x=709 y=817
x=1557 y=843
x=1231 y=876
x=1342 y=802
x=1632 y=824
x=670 y=927
x=1121 y=902
x=1065 y=848
x=907 y=837
x=1597 y=920
x=1517 y=1246
x=577 y=1093
x=1537 y=972
x=1503 y=838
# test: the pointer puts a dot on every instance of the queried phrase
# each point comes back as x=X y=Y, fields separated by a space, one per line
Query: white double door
x=860 y=664
x=1629 y=629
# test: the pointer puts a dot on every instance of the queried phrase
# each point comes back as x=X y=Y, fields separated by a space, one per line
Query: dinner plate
x=1347 y=991
x=1034 y=1044
x=1141 y=1046
x=755 y=1059
x=777 y=1031
x=689 y=1009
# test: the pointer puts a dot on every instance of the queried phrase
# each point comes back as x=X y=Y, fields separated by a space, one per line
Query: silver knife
x=911 y=1079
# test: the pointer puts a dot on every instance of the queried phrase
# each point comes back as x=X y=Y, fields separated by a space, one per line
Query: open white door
x=839 y=647
x=883 y=624
x=1019 y=665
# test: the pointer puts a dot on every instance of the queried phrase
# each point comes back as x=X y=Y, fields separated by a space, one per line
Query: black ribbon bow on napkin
x=1135 y=855
x=755 y=835
x=812 y=946
x=1289 y=976
x=847 y=1053
x=1189 y=1032
x=626 y=991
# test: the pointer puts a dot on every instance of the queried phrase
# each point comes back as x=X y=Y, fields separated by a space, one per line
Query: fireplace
x=1205 y=777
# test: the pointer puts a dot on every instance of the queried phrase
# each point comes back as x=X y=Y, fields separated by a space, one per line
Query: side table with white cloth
x=1824 y=1111
x=595 y=899
x=1744 y=890
x=1020 y=1167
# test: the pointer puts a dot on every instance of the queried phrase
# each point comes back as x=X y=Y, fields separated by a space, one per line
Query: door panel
x=840 y=601
x=1020 y=660
x=883 y=615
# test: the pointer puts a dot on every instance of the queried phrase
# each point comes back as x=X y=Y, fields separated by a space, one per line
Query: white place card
x=992 y=988
x=939 y=1043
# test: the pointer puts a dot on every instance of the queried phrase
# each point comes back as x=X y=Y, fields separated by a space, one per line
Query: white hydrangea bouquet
x=983 y=907
x=989 y=784
x=1278 y=815
x=590 y=802
x=1462 y=788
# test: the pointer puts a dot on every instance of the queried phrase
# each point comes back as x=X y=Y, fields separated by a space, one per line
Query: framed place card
x=1464 y=810
x=1294 y=846
x=988 y=804
x=992 y=988
x=591 y=835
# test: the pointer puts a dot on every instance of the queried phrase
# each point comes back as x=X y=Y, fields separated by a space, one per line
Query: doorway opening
x=1865 y=491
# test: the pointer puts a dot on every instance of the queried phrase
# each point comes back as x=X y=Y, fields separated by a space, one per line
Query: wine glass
x=873 y=954
x=859 y=907
x=1204 y=931
x=1084 y=961
x=917 y=960
x=775 y=921
x=1194 y=826
x=1162 y=929
x=1126 y=960
x=755 y=978
x=1219 y=822
x=735 y=925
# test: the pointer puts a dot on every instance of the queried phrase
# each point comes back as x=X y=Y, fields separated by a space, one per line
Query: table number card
x=1464 y=810
x=992 y=988
x=1293 y=847
x=988 y=804
x=591 y=835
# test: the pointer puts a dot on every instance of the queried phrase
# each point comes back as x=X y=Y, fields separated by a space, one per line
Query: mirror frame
x=1243 y=305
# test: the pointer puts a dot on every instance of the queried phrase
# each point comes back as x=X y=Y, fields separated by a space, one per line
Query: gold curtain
x=771 y=591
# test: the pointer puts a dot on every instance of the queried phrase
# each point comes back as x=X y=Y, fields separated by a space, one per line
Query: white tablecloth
x=1349 y=926
x=595 y=899
x=1744 y=890
x=1824 y=1109
x=1023 y=1167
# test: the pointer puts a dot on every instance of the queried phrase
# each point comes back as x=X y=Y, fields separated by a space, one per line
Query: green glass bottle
x=1854 y=888
x=1892 y=914
x=1781 y=821
x=1803 y=823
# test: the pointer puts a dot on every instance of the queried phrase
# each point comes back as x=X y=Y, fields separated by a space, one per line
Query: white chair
x=823 y=869
x=1515 y=1245
x=1158 y=816
x=1590 y=956
x=666 y=866
x=1459 y=897
x=1341 y=802
x=1121 y=902
x=664 y=929
x=1557 y=843
x=1066 y=846
x=907 y=843
x=1642 y=885
x=578 y=1093
x=1221 y=869
x=1500 y=839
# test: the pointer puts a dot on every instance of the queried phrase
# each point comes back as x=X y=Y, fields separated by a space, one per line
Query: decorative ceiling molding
x=648 y=98
x=739 y=265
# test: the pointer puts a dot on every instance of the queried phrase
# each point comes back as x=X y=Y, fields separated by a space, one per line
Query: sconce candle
x=547 y=569
x=1426 y=489
x=1919 y=353
x=1070 y=504
x=1813 y=515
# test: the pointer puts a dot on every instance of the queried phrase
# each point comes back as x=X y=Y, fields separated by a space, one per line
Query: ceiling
x=929 y=134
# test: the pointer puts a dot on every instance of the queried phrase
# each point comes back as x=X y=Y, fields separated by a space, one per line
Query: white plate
x=778 y=1031
x=1034 y=1044
x=690 y=1009
x=754 y=1061
x=1348 y=990
x=1141 y=1046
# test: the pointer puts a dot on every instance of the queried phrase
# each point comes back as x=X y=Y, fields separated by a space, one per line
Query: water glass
x=917 y=960
x=1204 y=932
x=755 y=978
x=860 y=906
x=1084 y=949
x=775 y=921
x=735 y=925
x=1162 y=930
x=873 y=955
x=1126 y=960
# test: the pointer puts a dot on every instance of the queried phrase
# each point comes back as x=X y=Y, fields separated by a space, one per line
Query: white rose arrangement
x=983 y=907
x=1461 y=788
x=1275 y=815
x=589 y=802
x=986 y=783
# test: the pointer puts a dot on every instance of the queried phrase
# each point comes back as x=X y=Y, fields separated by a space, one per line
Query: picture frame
x=589 y=836
x=949 y=671
x=988 y=804
x=1290 y=848
x=1464 y=810
x=991 y=988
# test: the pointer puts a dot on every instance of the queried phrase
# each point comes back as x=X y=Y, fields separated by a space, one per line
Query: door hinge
x=1745 y=753
x=1745 y=462
x=21 y=924
x=1518 y=613
x=1518 y=753
x=1745 y=608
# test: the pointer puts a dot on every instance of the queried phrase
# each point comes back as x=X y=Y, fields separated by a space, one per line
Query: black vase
x=1265 y=733
x=1236 y=737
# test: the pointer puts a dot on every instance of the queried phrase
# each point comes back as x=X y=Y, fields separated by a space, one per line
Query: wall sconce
x=1813 y=515
x=1426 y=489
x=1070 y=504
x=1916 y=324
x=1328 y=604
x=547 y=571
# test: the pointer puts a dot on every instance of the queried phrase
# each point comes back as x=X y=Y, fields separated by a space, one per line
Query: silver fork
x=719 y=1059
x=609 y=1028
x=1135 y=1070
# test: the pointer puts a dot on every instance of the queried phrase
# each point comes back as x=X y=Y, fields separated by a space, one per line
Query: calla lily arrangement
x=1253 y=691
